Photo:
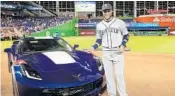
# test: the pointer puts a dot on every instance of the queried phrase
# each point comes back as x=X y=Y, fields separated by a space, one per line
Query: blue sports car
x=45 y=66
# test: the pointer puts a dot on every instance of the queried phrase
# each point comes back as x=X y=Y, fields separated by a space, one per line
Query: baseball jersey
x=111 y=32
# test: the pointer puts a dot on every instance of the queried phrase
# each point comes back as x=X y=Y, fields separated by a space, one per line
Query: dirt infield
x=145 y=74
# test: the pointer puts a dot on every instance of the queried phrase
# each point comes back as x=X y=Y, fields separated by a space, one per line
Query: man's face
x=107 y=14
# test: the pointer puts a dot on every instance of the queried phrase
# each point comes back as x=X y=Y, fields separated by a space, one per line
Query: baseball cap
x=106 y=6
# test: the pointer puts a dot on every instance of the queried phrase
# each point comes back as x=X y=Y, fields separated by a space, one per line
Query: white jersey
x=111 y=32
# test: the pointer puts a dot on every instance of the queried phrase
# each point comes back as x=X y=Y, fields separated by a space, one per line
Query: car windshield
x=45 y=45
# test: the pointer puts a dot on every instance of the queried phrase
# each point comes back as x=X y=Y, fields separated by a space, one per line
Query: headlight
x=29 y=72
x=99 y=63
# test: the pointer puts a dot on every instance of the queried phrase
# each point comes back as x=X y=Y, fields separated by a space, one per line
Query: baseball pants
x=114 y=71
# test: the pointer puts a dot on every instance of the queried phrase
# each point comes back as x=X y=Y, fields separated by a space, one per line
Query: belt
x=111 y=48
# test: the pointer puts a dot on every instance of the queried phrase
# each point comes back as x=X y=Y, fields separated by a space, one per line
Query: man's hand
x=122 y=48
x=94 y=52
x=90 y=50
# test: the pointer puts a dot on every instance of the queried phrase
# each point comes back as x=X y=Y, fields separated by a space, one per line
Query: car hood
x=61 y=66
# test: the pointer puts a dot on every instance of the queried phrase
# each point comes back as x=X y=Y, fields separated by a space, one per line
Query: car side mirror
x=15 y=42
x=76 y=46
x=13 y=48
x=7 y=50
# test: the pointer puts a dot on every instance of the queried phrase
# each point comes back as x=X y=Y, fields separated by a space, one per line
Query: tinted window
x=45 y=45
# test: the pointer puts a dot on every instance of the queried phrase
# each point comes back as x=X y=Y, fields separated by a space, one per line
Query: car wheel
x=9 y=66
x=9 y=62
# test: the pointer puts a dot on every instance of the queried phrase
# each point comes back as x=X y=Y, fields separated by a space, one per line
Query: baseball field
x=149 y=66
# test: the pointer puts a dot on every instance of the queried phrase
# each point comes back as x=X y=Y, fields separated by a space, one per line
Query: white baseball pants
x=114 y=71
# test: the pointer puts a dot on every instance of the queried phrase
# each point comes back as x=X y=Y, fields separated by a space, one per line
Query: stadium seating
x=32 y=24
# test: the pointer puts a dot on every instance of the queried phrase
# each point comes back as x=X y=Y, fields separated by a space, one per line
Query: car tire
x=9 y=66
x=103 y=89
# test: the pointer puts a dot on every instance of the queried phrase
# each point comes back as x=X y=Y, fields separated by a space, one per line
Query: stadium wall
x=74 y=28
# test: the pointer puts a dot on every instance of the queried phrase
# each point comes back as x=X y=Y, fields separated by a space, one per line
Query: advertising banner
x=150 y=11
x=86 y=25
x=148 y=33
x=143 y=25
x=87 y=32
x=171 y=32
x=163 y=21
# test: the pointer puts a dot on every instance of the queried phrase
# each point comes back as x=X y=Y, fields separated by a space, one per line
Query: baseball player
x=112 y=34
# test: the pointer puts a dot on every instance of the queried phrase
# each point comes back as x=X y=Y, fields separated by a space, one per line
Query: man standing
x=112 y=34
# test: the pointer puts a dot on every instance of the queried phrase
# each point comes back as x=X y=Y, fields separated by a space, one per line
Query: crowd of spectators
x=30 y=24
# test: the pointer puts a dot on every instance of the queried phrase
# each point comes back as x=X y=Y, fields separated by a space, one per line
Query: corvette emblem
x=77 y=76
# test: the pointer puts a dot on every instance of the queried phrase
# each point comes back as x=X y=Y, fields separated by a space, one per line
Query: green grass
x=5 y=44
x=148 y=44
x=153 y=44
